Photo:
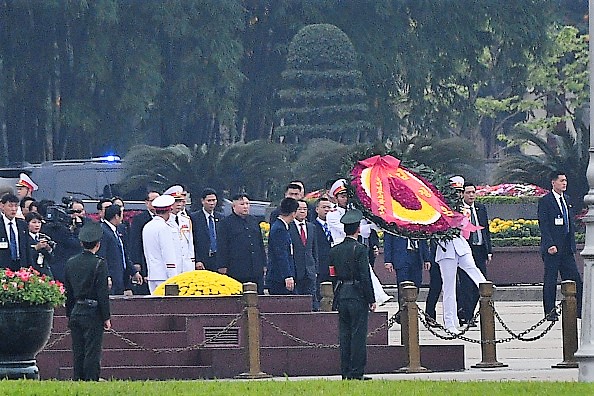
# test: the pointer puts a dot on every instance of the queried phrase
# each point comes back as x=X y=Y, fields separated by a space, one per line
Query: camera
x=60 y=213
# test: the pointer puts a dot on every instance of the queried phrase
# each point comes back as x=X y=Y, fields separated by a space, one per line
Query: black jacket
x=351 y=264
x=24 y=247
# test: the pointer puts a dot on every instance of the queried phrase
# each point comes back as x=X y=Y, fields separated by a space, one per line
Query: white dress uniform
x=449 y=256
x=161 y=251
x=185 y=239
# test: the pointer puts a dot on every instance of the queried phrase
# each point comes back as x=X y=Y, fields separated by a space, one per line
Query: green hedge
x=527 y=241
x=492 y=199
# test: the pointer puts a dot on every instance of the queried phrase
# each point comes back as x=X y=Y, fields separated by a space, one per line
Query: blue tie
x=14 y=251
x=565 y=215
x=327 y=232
x=212 y=234
x=121 y=245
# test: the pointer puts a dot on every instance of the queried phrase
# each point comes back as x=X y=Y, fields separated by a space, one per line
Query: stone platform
x=154 y=336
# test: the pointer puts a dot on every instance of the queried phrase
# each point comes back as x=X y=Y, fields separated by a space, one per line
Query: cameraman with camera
x=63 y=223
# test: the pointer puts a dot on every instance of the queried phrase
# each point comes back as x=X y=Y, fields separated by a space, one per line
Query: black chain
x=188 y=348
x=520 y=336
x=54 y=342
x=295 y=338
x=449 y=335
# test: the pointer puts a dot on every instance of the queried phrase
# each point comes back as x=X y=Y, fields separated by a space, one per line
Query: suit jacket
x=449 y=249
x=135 y=250
x=281 y=263
x=551 y=234
x=306 y=257
x=201 y=233
x=240 y=247
x=112 y=254
x=43 y=255
x=323 y=252
x=24 y=247
x=396 y=252
x=483 y=221
x=351 y=263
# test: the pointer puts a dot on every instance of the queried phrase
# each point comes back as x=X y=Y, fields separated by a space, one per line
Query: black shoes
x=363 y=378
x=552 y=317
x=431 y=322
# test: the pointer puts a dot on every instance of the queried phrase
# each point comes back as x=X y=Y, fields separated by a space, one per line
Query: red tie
x=302 y=233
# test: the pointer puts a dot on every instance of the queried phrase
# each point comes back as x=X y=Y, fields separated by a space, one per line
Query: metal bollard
x=250 y=286
x=253 y=334
x=172 y=290
x=569 y=325
x=410 y=331
x=401 y=302
x=327 y=291
x=488 y=347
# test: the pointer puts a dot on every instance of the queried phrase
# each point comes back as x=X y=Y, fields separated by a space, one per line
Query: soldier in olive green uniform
x=354 y=297
x=87 y=304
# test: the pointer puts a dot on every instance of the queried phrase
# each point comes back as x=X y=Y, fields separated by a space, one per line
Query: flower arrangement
x=201 y=283
x=513 y=228
x=510 y=190
x=265 y=229
x=403 y=201
x=28 y=286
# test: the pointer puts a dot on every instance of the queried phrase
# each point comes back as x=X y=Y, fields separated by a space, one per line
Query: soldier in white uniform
x=449 y=256
x=339 y=192
x=24 y=188
x=183 y=223
x=160 y=245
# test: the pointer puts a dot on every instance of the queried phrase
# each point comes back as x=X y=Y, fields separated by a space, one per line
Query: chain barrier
x=49 y=345
x=386 y=325
x=426 y=319
x=188 y=348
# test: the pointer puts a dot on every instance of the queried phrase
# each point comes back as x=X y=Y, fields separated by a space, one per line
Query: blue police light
x=108 y=158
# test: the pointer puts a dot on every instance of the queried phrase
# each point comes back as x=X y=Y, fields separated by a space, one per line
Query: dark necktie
x=176 y=220
x=327 y=232
x=302 y=234
x=212 y=234
x=14 y=250
x=565 y=214
x=121 y=245
x=473 y=235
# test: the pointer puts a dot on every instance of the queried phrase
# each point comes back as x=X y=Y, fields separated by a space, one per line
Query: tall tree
x=322 y=97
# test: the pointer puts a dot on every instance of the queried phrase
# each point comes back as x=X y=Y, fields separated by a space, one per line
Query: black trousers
x=353 y=315
x=435 y=284
x=86 y=329
x=307 y=286
x=562 y=263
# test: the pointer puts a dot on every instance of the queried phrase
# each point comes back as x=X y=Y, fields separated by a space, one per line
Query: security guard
x=354 y=297
x=87 y=304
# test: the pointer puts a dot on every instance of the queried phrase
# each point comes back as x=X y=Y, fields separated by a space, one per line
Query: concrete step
x=502 y=293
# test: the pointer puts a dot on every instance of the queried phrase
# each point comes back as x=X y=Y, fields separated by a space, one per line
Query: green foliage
x=559 y=89
x=491 y=199
x=27 y=286
x=515 y=241
x=322 y=97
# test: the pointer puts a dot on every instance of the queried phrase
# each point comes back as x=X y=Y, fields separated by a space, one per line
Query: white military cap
x=457 y=182
x=25 y=181
x=338 y=187
x=163 y=201
x=176 y=192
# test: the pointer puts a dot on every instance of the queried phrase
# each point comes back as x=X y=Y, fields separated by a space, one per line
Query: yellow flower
x=202 y=283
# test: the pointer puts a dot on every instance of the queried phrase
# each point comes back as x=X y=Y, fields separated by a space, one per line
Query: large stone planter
x=24 y=331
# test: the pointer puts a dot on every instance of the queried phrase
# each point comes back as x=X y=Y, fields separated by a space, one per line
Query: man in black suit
x=305 y=252
x=240 y=248
x=480 y=244
x=323 y=241
x=281 y=270
x=557 y=243
x=139 y=283
x=15 y=250
x=113 y=252
x=204 y=228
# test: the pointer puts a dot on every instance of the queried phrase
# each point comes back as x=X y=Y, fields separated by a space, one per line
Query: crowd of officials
x=306 y=246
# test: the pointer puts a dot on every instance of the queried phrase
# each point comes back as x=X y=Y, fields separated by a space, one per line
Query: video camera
x=60 y=213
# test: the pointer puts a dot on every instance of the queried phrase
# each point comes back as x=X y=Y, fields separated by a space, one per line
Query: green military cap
x=352 y=216
x=90 y=232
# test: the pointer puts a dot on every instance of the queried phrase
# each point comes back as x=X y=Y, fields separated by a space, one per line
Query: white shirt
x=14 y=228
x=299 y=227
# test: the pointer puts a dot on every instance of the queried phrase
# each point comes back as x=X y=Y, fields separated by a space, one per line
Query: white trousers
x=152 y=284
x=448 y=268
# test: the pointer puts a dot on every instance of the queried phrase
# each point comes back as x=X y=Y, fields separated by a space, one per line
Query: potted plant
x=27 y=301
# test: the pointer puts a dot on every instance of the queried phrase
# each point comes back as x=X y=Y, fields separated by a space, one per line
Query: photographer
x=63 y=224
x=41 y=245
